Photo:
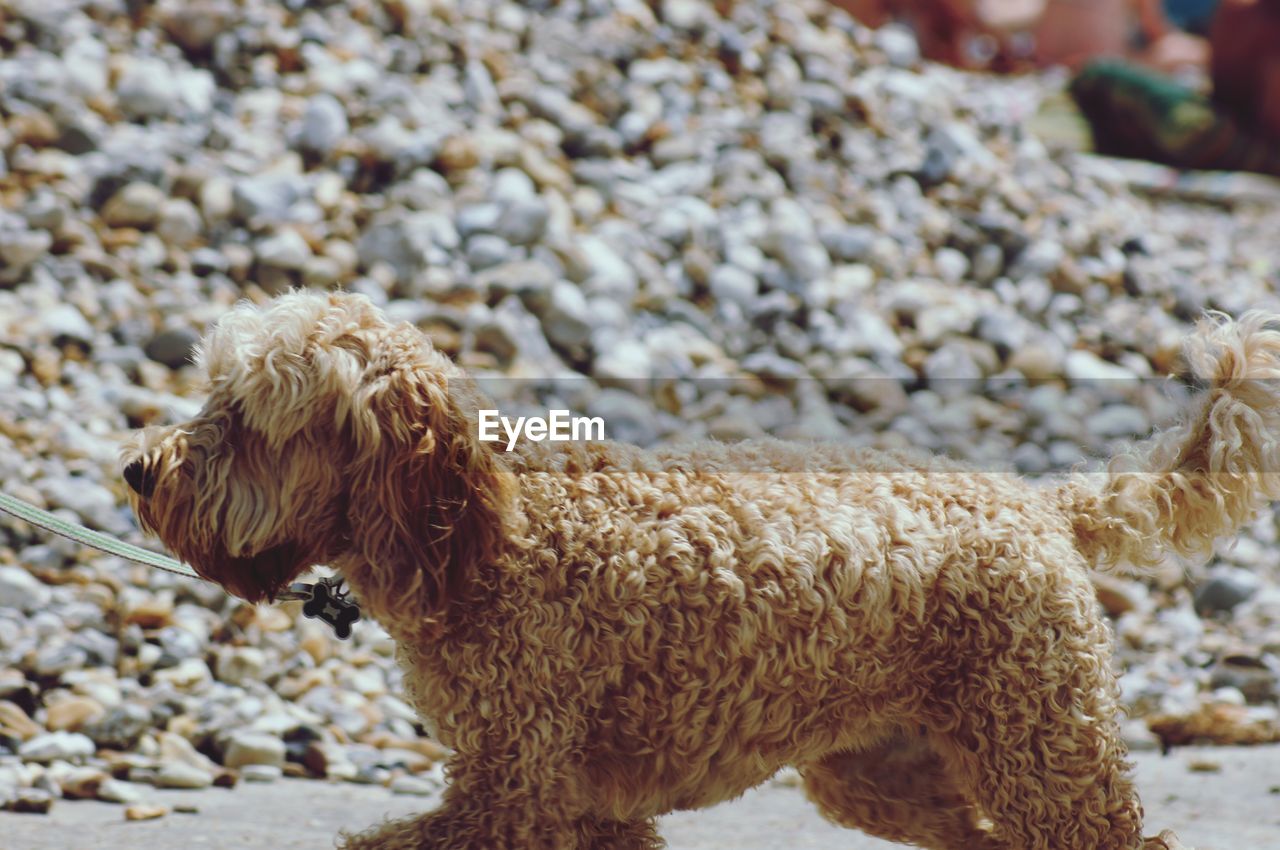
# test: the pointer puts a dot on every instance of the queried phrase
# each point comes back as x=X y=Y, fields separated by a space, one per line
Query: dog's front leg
x=492 y=803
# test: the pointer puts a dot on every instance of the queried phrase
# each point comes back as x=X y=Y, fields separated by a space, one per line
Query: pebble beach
x=691 y=218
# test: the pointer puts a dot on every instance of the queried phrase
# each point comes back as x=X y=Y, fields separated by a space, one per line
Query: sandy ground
x=1233 y=807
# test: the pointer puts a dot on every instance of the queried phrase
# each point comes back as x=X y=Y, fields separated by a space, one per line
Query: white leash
x=325 y=600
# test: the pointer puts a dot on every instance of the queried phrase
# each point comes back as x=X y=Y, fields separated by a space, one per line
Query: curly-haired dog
x=604 y=634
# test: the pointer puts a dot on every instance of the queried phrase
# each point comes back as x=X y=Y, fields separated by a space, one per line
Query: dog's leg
x=615 y=835
x=1032 y=734
x=898 y=791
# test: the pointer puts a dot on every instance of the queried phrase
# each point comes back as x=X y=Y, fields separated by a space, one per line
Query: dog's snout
x=138 y=478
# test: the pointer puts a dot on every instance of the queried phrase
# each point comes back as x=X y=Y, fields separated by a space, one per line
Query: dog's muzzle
x=140 y=479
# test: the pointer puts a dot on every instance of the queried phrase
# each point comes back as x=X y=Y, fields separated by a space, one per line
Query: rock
x=523 y=221
x=1224 y=589
x=285 y=250
x=148 y=88
x=120 y=728
x=898 y=45
x=1117 y=595
x=734 y=285
x=265 y=197
x=118 y=791
x=14 y=722
x=195 y=24
x=73 y=713
x=1085 y=368
x=83 y=783
x=19 y=248
x=324 y=124
x=21 y=590
x=174 y=347
x=31 y=801
x=566 y=320
x=245 y=748
x=177 y=774
x=329 y=760
x=179 y=223
x=144 y=811
x=414 y=786
x=56 y=746
x=64 y=323
x=238 y=665
x=136 y=205
x=153 y=611
x=1118 y=420
x=263 y=773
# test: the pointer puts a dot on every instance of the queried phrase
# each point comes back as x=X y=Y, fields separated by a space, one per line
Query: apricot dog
x=603 y=634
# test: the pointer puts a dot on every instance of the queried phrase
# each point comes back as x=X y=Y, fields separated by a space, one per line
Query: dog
x=602 y=634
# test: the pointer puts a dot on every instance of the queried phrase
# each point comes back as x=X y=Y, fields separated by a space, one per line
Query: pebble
x=136 y=205
x=246 y=748
x=118 y=791
x=30 y=801
x=56 y=746
x=144 y=811
x=415 y=786
x=1225 y=588
x=21 y=590
x=181 y=775
x=73 y=713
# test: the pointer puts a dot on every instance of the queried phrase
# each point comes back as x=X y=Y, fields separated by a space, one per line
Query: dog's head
x=329 y=435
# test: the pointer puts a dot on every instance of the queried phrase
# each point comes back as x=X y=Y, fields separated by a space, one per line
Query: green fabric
x=1139 y=114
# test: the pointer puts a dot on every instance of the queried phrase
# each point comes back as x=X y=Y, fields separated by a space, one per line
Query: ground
x=1233 y=807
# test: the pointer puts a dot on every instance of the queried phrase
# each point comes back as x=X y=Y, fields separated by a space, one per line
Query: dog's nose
x=135 y=475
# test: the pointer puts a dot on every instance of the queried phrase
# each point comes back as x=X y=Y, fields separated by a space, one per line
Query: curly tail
x=1204 y=478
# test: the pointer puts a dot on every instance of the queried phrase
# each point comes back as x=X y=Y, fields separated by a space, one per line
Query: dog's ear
x=428 y=499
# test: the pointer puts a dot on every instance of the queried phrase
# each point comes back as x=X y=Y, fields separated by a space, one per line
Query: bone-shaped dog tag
x=327 y=602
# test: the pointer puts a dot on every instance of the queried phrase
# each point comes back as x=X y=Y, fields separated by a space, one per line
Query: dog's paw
x=1166 y=840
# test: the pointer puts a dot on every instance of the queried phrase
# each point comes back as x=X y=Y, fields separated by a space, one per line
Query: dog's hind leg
x=617 y=835
x=899 y=791
x=1031 y=732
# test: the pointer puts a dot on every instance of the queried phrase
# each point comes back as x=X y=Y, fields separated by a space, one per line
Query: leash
x=326 y=600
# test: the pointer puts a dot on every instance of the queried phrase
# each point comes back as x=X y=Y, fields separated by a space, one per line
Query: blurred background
x=692 y=218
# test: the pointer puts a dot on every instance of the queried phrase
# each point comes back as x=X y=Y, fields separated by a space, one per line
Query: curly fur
x=604 y=634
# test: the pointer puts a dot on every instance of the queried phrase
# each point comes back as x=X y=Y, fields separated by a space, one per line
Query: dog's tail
x=1204 y=478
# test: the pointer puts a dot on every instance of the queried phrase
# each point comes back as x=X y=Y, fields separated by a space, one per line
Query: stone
x=73 y=713
x=136 y=205
x=523 y=221
x=415 y=786
x=144 y=811
x=263 y=773
x=179 y=223
x=30 y=801
x=120 y=728
x=734 y=285
x=1225 y=588
x=65 y=323
x=83 y=783
x=118 y=791
x=899 y=45
x=15 y=723
x=174 y=347
x=177 y=774
x=21 y=590
x=245 y=748
x=267 y=197
x=56 y=746
x=239 y=665
x=285 y=250
x=566 y=320
x=323 y=126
